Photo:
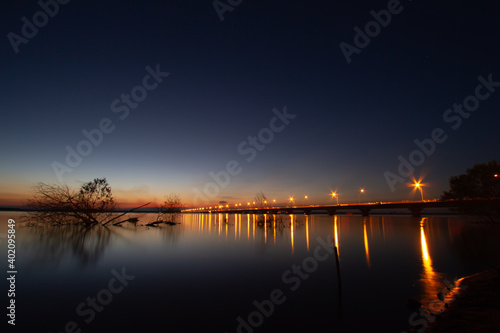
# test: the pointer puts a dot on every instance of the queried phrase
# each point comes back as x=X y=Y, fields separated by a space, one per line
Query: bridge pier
x=415 y=211
x=365 y=211
x=331 y=211
x=307 y=212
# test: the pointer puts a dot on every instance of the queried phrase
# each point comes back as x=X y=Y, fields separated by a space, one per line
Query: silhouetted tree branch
x=260 y=200
x=91 y=204
x=170 y=210
x=482 y=181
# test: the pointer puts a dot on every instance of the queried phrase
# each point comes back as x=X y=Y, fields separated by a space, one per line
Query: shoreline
x=475 y=309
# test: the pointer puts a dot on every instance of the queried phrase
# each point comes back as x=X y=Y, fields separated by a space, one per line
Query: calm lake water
x=230 y=273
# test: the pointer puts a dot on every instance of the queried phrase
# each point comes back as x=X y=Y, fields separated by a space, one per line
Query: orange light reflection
x=367 y=250
x=431 y=280
x=307 y=232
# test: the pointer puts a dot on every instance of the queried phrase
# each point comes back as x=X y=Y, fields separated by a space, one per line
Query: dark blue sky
x=225 y=78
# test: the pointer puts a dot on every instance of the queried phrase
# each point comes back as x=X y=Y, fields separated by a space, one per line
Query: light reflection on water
x=431 y=280
x=224 y=262
x=367 y=247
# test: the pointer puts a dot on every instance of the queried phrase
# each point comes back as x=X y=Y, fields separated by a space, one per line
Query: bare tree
x=91 y=204
x=260 y=200
x=171 y=209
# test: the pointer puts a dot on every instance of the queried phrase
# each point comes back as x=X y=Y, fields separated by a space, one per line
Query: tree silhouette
x=260 y=200
x=171 y=209
x=91 y=204
x=482 y=181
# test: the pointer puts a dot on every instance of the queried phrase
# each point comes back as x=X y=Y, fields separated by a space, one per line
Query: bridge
x=414 y=207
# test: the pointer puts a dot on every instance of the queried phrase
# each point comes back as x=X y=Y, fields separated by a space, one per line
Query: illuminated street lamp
x=419 y=187
x=291 y=200
x=336 y=196
x=361 y=191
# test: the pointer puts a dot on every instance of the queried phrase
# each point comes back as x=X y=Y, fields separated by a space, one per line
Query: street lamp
x=361 y=191
x=336 y=196
x=291 y=200
x=419 y=187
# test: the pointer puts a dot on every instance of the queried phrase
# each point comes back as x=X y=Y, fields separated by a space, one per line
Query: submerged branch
x=128 y=211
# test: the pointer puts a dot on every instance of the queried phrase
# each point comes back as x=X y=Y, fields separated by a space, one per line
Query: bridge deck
x=415 y=207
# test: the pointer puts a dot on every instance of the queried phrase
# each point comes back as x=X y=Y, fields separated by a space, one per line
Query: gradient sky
x=352 y=120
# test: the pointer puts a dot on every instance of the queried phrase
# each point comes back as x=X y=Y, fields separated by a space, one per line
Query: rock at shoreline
x=476 y=309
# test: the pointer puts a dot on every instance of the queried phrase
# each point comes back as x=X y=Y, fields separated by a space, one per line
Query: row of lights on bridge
x=417 y=185
x=249 y=204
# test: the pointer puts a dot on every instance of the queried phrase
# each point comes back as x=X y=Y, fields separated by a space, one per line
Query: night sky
x=267 y=94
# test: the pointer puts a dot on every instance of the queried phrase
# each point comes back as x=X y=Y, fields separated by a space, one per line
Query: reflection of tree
x=170 y=233
x=477 y=245
x=86 y=243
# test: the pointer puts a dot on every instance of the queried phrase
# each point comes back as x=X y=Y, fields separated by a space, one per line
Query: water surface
x=212 y=272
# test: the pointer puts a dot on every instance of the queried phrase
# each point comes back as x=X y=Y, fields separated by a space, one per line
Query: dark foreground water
x=218 y=273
